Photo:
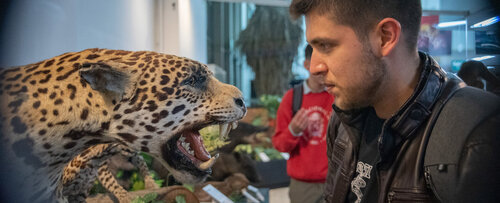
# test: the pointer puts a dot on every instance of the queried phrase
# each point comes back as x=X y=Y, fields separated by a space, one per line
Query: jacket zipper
x=406 y=196
x=377 y=173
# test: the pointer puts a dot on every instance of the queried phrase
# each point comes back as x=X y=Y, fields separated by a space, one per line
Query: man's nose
x=317 y=67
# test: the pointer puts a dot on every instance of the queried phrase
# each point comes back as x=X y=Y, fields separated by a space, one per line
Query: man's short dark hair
x=308 y=52
x=362 y=15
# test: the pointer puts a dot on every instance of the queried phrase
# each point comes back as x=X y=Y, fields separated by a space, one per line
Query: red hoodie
x=308 y=161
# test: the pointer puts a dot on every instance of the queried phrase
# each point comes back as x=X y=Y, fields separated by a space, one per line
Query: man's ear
x=109 y=78
x=389 y=34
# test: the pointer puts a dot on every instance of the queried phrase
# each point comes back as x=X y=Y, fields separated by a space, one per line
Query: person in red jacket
x=303 y=136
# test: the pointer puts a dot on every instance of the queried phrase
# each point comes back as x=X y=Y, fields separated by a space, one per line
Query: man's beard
x=365 y=94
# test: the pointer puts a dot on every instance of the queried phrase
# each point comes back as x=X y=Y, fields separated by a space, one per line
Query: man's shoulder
x=465 y=102
x=472 y=103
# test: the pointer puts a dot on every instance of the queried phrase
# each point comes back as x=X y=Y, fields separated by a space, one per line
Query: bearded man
x=393 y=106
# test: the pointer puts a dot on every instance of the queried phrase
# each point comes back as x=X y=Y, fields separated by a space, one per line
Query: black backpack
x=464 y=109
x=298 y=91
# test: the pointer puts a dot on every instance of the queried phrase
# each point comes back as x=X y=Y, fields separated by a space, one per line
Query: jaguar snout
x=240 y=103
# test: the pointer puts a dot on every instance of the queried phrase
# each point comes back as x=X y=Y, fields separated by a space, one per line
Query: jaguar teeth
x=224 y=131
x=207 y=164
x=186 y=146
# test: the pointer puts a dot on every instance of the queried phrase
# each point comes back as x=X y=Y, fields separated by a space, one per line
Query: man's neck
x=403 y=79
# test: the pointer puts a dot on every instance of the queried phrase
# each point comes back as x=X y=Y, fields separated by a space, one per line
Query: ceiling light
x=487 y=22
x=482 y=58
x=451 y=23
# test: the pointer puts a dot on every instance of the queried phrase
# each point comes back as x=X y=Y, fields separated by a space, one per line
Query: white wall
x=38 y=29
x=168 y=26
x=193 y=29
x=183 y=28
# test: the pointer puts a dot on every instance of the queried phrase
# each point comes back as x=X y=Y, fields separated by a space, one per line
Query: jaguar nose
x=240 y=103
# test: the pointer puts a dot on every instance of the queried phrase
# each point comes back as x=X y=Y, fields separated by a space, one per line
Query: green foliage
x=147 y=158
x=119 y=174
x=272 y=153
x=237 y=197
x=245 y=148
x=271 y=103
x=156 y=178
x=257 y=121
x=190 y=187
x=136 y=181
x=180 y=199
x=147 y=198
x=137 y=185
x=211 y=139
x=97 y=188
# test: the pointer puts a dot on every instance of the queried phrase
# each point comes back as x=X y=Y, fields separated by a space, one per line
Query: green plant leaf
x=189 y=187
x=150 y=197
x=119 y=174
x=180 y=199
x=135 y=176
x=271 y=103
x=138 y=185
x=159 y=182
x=147 y=158
x=138 y=199
x=97 y=188
x=257 y=121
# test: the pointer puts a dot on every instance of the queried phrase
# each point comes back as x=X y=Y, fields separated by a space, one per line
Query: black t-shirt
x=364 y=186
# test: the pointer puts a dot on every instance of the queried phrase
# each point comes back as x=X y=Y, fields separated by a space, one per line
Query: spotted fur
x=54 y=110
x=80 y=174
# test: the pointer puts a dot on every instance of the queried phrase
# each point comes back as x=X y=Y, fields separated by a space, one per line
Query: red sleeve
x=283 y=140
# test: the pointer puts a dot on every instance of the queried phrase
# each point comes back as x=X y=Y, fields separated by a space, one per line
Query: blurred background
x=251 y=44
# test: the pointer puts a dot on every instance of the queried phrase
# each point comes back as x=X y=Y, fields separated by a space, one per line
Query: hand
x=299 y=122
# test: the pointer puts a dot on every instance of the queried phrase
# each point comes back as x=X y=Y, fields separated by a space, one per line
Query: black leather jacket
x=402 y=145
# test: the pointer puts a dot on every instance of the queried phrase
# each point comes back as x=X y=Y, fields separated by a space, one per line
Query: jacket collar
x=415 y=111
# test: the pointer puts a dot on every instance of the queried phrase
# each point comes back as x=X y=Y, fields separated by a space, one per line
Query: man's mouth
x=187 y=149
x=329 y=85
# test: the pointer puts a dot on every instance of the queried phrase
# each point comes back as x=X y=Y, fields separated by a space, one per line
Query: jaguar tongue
x=196 y=143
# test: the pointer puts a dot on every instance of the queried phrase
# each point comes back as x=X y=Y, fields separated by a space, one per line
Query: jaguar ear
x=108 y=78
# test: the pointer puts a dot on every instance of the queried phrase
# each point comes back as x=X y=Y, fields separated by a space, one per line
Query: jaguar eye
x=196 y=81
x=191 y=81
x=202 y=79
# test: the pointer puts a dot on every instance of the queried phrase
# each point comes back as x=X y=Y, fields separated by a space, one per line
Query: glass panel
x=445 y=37
x=256 y=46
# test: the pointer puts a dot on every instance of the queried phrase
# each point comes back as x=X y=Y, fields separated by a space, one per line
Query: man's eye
x=324 y=46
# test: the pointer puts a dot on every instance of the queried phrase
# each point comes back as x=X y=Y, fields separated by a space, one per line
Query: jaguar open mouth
x=185 y=151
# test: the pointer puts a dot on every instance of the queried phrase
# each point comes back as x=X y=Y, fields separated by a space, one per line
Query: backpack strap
x=298 y=91
x=465 y=109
